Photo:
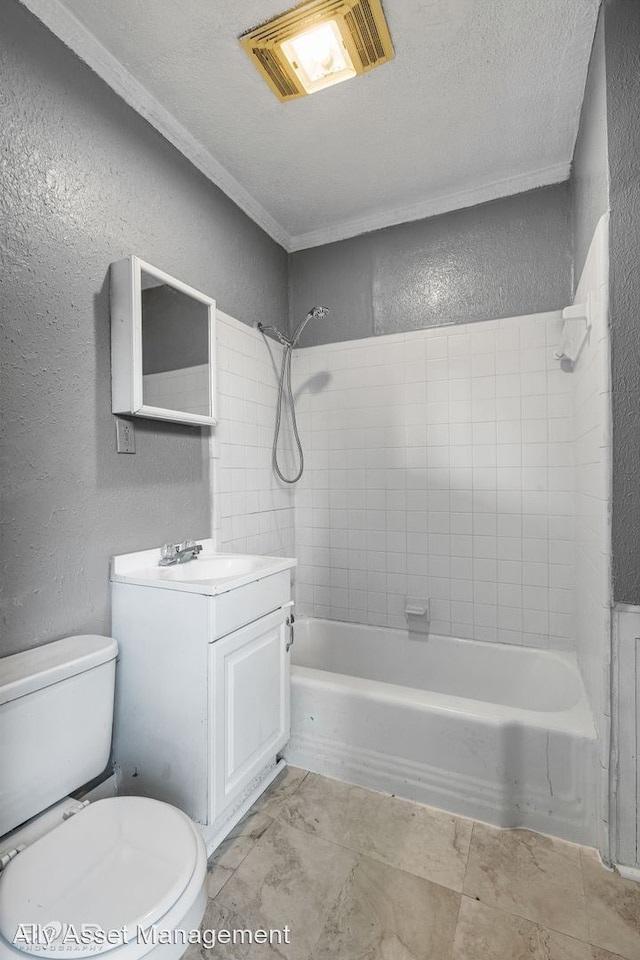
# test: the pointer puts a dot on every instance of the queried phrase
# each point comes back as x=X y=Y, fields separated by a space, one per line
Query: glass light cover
x=319 y=57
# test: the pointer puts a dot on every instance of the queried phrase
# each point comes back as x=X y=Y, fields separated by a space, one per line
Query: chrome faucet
x=171 y=553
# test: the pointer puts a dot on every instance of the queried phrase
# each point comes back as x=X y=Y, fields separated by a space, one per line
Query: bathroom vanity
x=202 y=688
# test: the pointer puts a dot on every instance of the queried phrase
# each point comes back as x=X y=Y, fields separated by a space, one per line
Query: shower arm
x=276 y=334
x=315 y=313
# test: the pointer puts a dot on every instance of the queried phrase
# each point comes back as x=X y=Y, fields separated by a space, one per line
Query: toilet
x=122 y=877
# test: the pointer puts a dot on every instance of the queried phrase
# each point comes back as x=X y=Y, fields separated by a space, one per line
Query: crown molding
x=483 y=193
x=61 y=22
x=64 y=25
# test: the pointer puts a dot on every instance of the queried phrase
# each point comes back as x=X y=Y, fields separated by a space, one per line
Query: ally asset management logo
x=67 y=939
x=57 y=937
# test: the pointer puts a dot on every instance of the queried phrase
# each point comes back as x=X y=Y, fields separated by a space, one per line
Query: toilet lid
x=119 y=864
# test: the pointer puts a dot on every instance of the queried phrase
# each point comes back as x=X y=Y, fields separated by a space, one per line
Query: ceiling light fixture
x=319 y=43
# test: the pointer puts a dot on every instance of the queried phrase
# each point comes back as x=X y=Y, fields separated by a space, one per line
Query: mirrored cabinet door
x=162 y=346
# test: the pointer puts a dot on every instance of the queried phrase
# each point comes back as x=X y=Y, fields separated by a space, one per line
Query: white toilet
x=122 y=877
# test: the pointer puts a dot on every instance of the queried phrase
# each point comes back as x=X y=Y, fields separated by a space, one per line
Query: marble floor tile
x=387 y=913
x=278 y=792
x=234 y=848
x=530 y=875
x=218 y=917
x=289 y=877
x=485 y=933
x=613 y=908
x=597 y=953
x=359 y=875
x=421 y=840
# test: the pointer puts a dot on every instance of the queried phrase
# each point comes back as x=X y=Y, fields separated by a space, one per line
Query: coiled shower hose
x=285 y=375
x=288 y=343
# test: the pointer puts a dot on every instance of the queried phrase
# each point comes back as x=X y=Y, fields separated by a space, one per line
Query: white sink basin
x=210 y=573
x=216 y=568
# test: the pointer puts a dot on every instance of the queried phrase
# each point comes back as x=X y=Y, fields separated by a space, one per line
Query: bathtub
x=491 y=731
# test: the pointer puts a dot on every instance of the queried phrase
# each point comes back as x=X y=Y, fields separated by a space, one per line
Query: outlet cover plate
x=125 y=436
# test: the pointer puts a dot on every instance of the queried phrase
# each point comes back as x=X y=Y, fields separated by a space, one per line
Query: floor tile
x=289 y=877
x=530 y=875
x=421 y=840
x=387 y=913
x=219 y=918
x=613 y=908
x=597 y=953
x=485 y=933
x=232 y=851
x=278 y=792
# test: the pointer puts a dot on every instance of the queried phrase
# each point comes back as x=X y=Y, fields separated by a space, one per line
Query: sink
x=211 y=573
x=216 y=567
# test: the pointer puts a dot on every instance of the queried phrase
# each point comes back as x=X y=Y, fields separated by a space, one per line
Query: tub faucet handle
x=416 y=612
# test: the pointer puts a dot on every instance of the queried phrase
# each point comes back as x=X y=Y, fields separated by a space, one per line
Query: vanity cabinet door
x=249 y=716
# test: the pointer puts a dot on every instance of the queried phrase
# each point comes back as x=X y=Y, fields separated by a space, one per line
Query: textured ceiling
x=482 y=100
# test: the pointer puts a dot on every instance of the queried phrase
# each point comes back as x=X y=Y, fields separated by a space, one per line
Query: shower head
x=316 y=313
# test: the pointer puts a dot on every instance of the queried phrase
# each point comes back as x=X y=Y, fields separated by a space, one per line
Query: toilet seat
x=121 y=864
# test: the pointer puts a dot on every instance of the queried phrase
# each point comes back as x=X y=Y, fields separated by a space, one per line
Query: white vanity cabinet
x=249 y=696
x=202 y=687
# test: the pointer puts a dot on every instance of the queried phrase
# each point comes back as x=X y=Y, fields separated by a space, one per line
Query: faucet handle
x=191 y=545
x=169 y=551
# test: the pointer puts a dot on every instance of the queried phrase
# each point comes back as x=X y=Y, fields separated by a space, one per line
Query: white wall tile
x=463 y=465
x=253 y=512
x=458 y=464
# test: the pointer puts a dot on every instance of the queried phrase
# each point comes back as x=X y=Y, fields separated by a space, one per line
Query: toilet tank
x=56 y=715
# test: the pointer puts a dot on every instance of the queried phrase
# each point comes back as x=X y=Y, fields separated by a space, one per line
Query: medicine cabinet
x=163 y=340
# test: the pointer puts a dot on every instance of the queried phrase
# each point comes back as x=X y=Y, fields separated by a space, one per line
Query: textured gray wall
x=590 y=171
x=86 y=181
x=499 y=259
x=622 y=46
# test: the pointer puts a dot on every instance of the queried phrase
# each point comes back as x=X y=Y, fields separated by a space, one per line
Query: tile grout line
x=466 y=865
x=584 y=897
x=457 y=921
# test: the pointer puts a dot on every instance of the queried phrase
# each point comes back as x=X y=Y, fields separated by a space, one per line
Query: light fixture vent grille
x=363 y=29
x=362 y=25
x=287 y=87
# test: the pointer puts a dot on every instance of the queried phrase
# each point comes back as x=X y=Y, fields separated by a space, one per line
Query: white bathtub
x=495 y=732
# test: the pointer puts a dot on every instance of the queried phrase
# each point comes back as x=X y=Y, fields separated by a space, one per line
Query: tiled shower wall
x=252 y=510
x=440 y=466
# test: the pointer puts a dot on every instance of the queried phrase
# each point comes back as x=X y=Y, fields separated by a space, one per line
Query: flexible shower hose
x=285 y=374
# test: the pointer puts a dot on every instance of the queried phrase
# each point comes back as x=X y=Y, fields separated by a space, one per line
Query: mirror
x=162 y=346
